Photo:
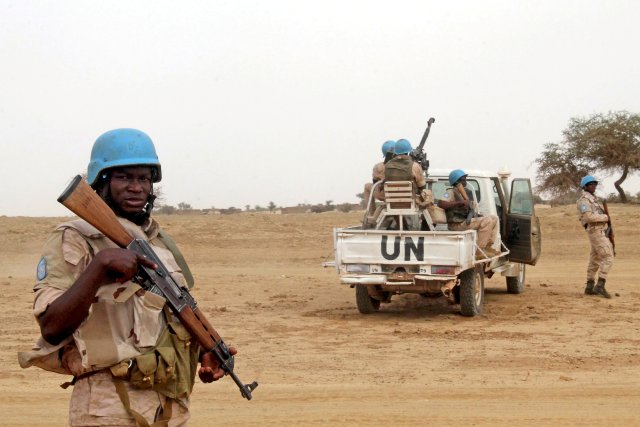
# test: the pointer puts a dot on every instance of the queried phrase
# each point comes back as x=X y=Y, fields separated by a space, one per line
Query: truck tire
x=471 y=291
x=515 y=285
x=364 y=302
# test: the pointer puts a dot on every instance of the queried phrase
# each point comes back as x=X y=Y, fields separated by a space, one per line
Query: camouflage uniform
x=403 y=168
x=94 y=402
x=135 y=319
x=377 y=174
x=594 y=220
x=486 y=226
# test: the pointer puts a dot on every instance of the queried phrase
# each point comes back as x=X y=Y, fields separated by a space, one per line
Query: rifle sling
x=171 y=245
x=140 y=420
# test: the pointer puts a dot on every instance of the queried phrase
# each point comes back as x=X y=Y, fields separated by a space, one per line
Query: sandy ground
x=550 y=356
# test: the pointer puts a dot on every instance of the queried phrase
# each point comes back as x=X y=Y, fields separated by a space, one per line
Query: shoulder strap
x=83 y=227
x=171 y=245
x=121 y=389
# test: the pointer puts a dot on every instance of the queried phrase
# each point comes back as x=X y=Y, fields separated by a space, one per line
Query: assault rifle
x=418 y=154
x=463 y=193
x=609 y=231
x=80 y=198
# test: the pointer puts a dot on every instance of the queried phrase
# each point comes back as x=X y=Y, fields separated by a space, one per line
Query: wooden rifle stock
x=80 y=198
x=609 y=231
x=462 y=191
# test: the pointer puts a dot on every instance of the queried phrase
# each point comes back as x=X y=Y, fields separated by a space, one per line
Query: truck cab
x=511 y=202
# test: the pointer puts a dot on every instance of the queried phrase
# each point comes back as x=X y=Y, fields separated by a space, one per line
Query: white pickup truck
x=404 y=249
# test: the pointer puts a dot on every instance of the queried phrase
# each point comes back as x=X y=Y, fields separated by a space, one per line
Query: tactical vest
x=400 y=168
x=152 y=351
x=169 y=368
x=457 y=214
x=591 y=205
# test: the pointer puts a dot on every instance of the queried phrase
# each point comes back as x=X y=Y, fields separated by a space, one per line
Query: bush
x=345 y=207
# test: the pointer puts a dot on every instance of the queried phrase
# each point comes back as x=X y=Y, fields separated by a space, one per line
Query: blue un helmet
x=455 y=176
x=122 y=147
x=388 y=147
x=587 y=180
x=402 y=147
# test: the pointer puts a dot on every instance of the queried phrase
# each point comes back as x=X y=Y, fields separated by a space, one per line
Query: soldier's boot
x=588 y=290
x=600 y=290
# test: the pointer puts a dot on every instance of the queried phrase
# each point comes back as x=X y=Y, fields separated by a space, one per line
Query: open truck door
x=522 y=228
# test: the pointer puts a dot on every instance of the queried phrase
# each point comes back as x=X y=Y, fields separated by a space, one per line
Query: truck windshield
x=440 y=187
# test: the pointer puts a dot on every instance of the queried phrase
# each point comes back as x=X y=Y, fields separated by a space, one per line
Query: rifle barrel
x=609 y=232
x=426 y=133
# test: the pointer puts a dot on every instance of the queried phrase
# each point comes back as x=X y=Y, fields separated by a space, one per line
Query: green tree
x=272 y=206
x=560 y=170
x=606 y=143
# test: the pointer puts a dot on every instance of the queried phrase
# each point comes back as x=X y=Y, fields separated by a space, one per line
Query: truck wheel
x=471 y=291
x=366 y=304
x=515 y=285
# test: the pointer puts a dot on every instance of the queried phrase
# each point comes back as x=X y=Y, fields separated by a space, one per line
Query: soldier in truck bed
x=594 y=221
x=457 y=209
x=403 y=168
x=377 y=174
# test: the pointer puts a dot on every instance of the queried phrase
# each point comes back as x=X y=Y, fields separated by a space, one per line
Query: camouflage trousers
x=487 y=227
x=601 y=256
x=95 y=402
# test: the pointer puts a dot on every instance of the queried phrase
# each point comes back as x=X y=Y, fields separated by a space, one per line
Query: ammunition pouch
x=170 y=368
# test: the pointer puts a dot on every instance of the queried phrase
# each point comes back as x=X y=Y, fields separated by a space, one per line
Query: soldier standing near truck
x=460 y=214
x=595 y=222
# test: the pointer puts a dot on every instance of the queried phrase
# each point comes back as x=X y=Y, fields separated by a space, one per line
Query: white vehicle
x=402 y=249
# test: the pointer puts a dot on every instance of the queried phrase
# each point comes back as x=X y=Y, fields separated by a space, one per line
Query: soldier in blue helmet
x=594 y=221
x=457 y=206
x=115 y=150
x=403 y=168
x=133 y=363
x=377 y=174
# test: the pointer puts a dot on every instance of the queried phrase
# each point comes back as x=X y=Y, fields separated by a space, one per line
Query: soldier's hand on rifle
x=68 y=311
x=210 y=369
x=119 y=265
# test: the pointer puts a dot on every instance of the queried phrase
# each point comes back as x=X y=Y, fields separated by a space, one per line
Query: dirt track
x=550 y=356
